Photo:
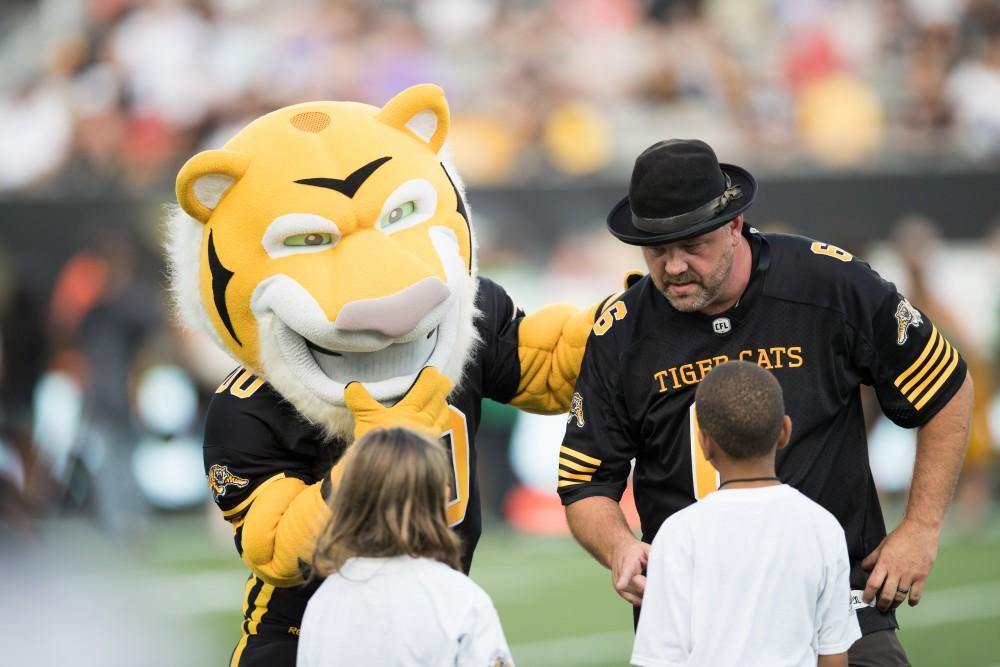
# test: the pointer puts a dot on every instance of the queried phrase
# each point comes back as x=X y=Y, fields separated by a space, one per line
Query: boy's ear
x=786 y=432
x=707 y=444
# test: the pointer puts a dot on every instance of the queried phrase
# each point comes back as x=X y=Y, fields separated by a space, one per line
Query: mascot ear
x=205 y=178
x=421 y=109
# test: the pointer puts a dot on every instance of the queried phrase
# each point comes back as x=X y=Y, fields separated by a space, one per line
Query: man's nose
x=674 y=264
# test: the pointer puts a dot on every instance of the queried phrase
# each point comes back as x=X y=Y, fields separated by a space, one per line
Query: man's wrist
x=922 y=522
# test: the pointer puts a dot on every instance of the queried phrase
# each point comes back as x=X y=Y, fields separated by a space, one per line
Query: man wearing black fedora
x=822 y=321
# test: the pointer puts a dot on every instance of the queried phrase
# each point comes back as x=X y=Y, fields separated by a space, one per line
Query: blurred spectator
x=22 y=360
x=122 y=91
x=916 y=240
x=112 y=335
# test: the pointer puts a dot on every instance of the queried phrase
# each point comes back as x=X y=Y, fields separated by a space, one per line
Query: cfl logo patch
x=722 y=325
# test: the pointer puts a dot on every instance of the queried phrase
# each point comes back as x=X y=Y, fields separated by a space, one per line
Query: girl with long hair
x=394 y=593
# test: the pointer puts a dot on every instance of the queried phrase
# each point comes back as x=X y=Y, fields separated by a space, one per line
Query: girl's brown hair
x=391 y=501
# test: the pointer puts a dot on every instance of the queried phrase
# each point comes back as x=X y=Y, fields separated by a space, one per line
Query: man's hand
x=423 y=408
x=900 y=565
x=627 y=564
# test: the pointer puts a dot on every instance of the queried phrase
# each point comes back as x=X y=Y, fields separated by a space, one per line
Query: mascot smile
x=327 y=248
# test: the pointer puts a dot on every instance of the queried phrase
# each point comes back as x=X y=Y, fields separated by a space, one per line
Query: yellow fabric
x=281 y=529
x=424 y=407
x=264 y=161
x=550 y=348
x=551 y=342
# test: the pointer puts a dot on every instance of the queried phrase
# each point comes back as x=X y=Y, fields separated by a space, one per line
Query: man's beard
x=709 y=287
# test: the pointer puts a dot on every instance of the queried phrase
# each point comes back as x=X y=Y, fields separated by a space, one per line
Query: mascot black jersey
x=254 y=438
x=823 y=322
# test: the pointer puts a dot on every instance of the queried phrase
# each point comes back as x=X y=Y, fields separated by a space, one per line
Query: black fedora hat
x=678 y=191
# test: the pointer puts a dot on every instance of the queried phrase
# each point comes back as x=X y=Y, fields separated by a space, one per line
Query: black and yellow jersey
x=823 y=322
x=254 y=438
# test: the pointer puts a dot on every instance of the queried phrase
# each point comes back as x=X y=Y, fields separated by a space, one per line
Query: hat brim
x=621 y=226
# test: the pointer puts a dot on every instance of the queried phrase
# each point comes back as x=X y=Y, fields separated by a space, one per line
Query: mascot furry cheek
x=327 y=242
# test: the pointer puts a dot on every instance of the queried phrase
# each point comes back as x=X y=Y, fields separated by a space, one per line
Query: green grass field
x=558 y=608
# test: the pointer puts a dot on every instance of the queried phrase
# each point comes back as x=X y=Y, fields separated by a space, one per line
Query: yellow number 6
x=615 y=312
x=831 y=251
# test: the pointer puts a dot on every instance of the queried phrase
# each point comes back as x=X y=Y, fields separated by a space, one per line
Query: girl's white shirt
x=401 y=611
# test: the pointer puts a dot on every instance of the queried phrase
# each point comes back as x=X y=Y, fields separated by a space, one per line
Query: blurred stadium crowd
x=102 y=100
x=97 y=95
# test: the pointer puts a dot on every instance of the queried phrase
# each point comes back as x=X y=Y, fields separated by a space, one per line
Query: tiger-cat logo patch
x=576 y=410
x=906 y=316
x=220 y=479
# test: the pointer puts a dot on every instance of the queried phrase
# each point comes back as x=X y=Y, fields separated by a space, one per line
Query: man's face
x=691 y=273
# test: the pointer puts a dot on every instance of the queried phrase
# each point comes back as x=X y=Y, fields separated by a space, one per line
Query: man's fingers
x=873 y=584
x=869 y=561
x=888 y=592
x=638 y=585
x=630 y=598
x=916 y=590
x=899 y=596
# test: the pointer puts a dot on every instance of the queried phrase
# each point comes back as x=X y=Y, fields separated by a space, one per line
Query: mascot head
x=327 y=242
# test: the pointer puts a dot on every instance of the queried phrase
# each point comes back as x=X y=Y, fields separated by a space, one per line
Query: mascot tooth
x=327 y=247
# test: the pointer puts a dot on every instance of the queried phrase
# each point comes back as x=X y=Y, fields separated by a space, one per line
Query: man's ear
x=421 y=110
x=786 y=432
x=205 y=178
x=736 y=229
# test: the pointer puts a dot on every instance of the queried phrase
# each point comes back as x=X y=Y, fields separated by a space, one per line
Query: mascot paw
x=423 y=408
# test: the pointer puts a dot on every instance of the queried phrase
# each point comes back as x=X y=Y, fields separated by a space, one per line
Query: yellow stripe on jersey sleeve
x=949 y=352
x=575 y=466
x=564 y=482
x=924 y=378
x=920 y=360
x=570 y=475
x=939 y=347
x=579 y=456
x=249 y=499
x=941 y=380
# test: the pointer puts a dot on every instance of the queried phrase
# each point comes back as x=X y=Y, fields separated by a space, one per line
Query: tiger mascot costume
x=327 y=247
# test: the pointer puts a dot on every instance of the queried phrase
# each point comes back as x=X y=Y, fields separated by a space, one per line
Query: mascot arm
x=279 y=531
x=272 y=494
x=550 y=349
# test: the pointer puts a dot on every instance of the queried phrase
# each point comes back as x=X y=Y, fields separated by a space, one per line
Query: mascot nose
x=394 y=315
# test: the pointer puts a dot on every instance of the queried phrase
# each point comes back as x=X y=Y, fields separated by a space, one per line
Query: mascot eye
x=305 y=240
x=397 y=214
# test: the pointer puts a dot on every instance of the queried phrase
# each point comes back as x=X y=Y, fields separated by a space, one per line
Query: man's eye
x=397 y=214
x=306 y=240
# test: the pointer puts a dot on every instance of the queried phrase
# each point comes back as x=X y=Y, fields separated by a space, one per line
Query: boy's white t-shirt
x=400 y=611
x=755 y=576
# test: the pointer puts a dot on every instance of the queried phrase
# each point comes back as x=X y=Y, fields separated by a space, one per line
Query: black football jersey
x=254 y=436
x=823 y=322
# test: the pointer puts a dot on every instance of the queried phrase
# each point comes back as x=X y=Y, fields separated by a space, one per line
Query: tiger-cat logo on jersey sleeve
x=906 y=316
x=576 y=410
x=220 y=479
